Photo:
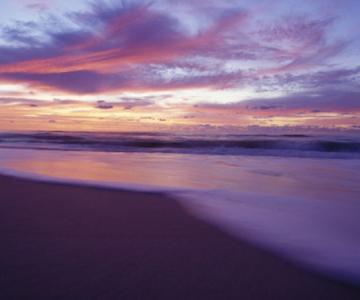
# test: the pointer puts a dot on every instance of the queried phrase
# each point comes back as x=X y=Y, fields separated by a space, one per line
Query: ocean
x=297 y=145
x=296 y=195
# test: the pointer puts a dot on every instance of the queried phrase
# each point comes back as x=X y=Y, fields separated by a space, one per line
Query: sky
x=179 y=65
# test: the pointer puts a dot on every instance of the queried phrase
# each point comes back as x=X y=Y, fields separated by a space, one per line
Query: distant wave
x=282 y=145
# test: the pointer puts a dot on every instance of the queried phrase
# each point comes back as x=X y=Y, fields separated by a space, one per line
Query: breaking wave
x=278 y=145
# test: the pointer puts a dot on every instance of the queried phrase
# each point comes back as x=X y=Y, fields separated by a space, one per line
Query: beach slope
x=63 y=241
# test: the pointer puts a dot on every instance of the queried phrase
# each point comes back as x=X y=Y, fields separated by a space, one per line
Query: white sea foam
x=322 y=234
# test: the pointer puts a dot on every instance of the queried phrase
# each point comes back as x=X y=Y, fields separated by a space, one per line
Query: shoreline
x=96 y=184
x=70 y=241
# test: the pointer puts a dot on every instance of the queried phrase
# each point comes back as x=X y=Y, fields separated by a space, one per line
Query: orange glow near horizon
x=77 y=115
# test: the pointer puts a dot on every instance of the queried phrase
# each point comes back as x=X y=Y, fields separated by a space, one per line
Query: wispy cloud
x=291 y=62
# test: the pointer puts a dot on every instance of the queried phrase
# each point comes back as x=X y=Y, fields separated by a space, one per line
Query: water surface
x=305 y=207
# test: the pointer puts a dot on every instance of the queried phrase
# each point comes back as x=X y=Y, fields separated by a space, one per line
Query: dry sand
x=69 y=242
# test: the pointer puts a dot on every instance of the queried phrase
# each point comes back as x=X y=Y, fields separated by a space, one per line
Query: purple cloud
x=103 y=105
x=139 y=47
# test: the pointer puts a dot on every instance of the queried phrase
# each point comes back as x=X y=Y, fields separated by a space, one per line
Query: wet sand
x=69 y=242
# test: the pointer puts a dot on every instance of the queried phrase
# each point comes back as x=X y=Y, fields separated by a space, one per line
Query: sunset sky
x=173 y=65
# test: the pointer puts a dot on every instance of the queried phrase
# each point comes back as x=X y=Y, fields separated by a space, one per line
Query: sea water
x=296 y=195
